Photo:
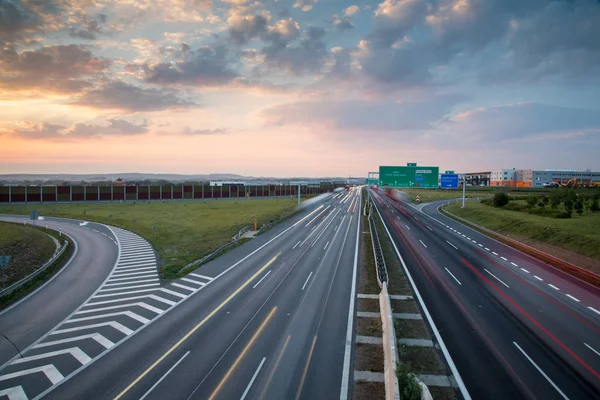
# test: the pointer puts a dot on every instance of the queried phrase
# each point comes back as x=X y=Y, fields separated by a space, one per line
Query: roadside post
x=464 y=182
x=3 y=263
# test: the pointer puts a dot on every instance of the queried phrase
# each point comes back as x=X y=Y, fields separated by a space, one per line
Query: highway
x=276 y=317
x=514 y=326
x=33 y=317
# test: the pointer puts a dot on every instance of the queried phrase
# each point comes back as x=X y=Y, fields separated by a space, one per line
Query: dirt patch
x=368 y=357
x=368 y=305
x=29 y=247
x=421 y=360
x=410 y=329
x=369 y=327
x=563 y=254
x=443 y=393
x=367 y=280
x=404 y=306
x=369 y=391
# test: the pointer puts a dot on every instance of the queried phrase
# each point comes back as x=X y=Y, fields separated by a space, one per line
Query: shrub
x=408 y=384
x=563 y=214
x=595 y=207
x=500 y=199
x=531 y=201
x=545 y=200
x=579 y=207
x=541 y=204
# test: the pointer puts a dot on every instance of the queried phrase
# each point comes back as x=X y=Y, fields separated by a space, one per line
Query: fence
x=61 y=194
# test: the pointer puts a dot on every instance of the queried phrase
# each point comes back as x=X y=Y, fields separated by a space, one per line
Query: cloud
x=524 y=121
x=342 y=23
x=305 y=5
x=243 y=28
x=308 y=56
x=123 y=96
x=15 y=17
x=351 y=11
x=187 y=131
x=60 y=68
x=90 y=27
x=361 y=115
x=45 y=130
x=206 y=66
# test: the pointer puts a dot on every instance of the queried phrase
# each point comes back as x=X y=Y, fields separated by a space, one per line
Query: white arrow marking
x=83 y=223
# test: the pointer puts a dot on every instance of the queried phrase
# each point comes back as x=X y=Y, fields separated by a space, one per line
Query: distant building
x=503 y=177
x=524 y=177
x=118 y=182
x=564 y=176
x=227 y=183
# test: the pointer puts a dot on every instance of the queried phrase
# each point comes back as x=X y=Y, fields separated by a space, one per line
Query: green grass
x=428 y=195
x=29 y=247
x=579 y=234
x=185 y=231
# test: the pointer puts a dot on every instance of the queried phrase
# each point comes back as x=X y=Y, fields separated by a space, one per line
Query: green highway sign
x=409 y=176
x=449 y=172
x=411 y=164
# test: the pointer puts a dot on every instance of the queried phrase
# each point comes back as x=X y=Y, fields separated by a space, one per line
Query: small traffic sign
x=4 y=261
x=418 y=199
x=411 y=164
x=450 y=172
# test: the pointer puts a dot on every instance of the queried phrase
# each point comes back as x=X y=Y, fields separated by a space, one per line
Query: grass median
x=579 y=234
x=185 y=231
x=427 y=195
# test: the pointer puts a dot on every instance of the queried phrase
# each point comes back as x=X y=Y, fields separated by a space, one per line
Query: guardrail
x=382 y=276
x=31 y=276
x=562 y=265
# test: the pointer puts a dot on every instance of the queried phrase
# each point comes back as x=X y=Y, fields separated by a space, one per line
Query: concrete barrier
x=390 y=349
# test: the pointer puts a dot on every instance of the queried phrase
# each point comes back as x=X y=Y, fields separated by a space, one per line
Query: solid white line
x=504 y=258
x=74 y=351
x=436 y=332
x=193 y=281
x=128 y=287
x=524 y=270
x=251 y=380
x=309 y=275
x=512 y=263
x=129 y=314
x=553 y=287
x=311 y=221
x=407 y=227
x=429 y=228
x=148 y=275
x=153 y=279
x=591 y=348
x=498 y=279
x=541 y=372
x=538 y=278
x=139 y=304
x=174 y=293
x=296 y=245
x=326 y=244
x=49 y=370
x=179 y=285
x=261 y=279
x=424 y=245
x=494 y=253
x=14 y=393
x=126 y=293
x=121 y=328
x=150 y=296
x=572 y=298
x=128 y=274
x=164 y=376
x=344 y=388
x=95 y=336
x=135 y=267
x=201 y=276
x=452 y=275
x=594 y=310
x=452 y=245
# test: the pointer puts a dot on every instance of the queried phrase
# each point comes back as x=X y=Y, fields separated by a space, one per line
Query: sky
x=298 y=87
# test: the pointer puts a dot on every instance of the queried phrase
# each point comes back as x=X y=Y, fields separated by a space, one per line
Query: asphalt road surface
x=514 y=326
x=27 y=321
x=274 y=321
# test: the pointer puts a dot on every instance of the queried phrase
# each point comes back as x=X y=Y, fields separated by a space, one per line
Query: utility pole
x=298 y=194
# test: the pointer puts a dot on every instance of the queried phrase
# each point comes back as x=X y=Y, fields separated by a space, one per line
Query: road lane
x=492 y=313
x=215 y=348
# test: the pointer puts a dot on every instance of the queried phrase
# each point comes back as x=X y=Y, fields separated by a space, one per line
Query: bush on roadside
x=563 y=214
x=595 y=207
x=578 y=207
x=407 y=383
x=531 y=201
x=500 y=199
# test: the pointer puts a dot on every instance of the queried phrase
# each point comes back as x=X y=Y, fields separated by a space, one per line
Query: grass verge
x=579 y=234
x=370 y=305
x=427 y=195
x=368 y=391
x=29 y=247
x=185 y=230
x=368 y=357
x=41 y=278
x=421 y=360
x=367 y=282
x=369 y=327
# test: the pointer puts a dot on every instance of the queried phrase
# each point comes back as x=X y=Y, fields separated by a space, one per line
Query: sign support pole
x=464 y=190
